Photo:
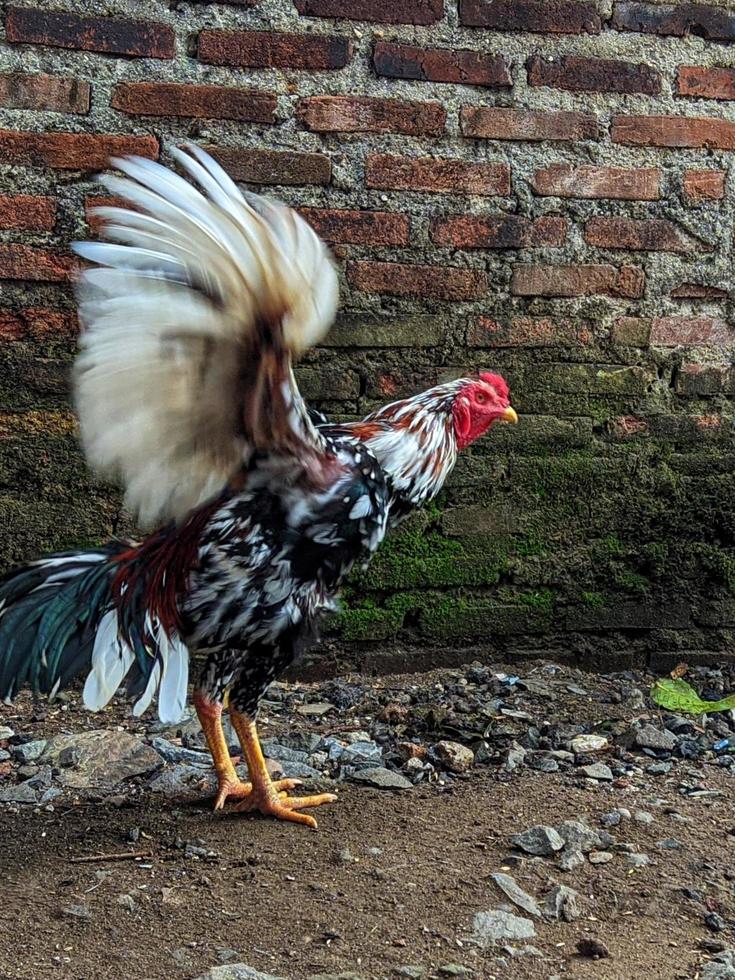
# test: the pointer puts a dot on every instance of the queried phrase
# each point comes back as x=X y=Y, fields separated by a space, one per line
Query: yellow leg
x=210 y=718
x=264 y=795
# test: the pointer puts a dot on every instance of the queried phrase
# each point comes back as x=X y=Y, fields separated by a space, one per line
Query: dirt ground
x=388 y=880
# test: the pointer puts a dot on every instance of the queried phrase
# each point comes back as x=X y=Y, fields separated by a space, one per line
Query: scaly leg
x=264 y=795
x=228 y=782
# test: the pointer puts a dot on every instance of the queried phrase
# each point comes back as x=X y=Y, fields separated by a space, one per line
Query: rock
x=722 y=967
x=381 y=778
x=415 y=972
x=611 y=819
x=592 y=948
x=636 y=860
x=299 y=770
x=582 y=744
x=455 y=970
x=314 y=710
x=454 y=757
x=561 y=903
x=100 y=758
x=20 y=793
x=182 y=779
x=6 y=732
x=236 y=971
x=715 y=922
x=512 y=890
x=361 y=753
x=577 y=836
x=599 y=857
x=642 y=816
x=570 y=859
x=284 y=753
x=514 y=757
x=543 y=762
x=659 y=768
x=127 y=902
x=598 y=771
x=670 y=844
x=77 y=912
x=539 y=840
x=662 y=740
x=176 y=753
x=496 y=926
x=29 y=751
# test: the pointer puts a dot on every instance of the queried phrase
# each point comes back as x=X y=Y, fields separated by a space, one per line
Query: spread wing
x=196 y=303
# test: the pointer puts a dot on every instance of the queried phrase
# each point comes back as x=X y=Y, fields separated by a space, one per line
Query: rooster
x=192 y=311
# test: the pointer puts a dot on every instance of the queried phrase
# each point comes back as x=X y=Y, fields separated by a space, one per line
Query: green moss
x=596 y=600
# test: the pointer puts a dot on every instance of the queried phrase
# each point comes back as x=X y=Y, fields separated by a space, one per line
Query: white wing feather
x=175 y=296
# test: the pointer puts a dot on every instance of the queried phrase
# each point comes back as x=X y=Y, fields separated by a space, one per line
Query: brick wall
x=542 y=187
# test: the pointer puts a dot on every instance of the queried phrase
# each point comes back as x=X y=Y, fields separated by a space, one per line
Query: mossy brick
x=473 y=619
x=45 y=466
x=29 y=382
x=29 y=528
x=716 y=614
x=491 y=518
x=597 y=379
x=535 y=430
x=327 y=382
x=364 y=330
x=631 y=616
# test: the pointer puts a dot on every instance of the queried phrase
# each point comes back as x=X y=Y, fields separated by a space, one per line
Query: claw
x=284 y=807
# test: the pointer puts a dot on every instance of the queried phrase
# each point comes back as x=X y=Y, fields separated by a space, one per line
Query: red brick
x=423 y=12
x=356 y=114
x=628 y=427
x=36 y=264
x=528 y=331
x=593 y=75
x=37 y=323
x=704 y=185
x=51 y=93
x=266 y=49
x=498 y=231
x=436 y=176
x=540 y=16
x=282 y=167
x=689 y=131
x=617 y=183
x=695 y=290
x=99 y=201
x=358 y=227
x=397 y=279
x=200 y=101
x=677 y=20
x=707 y=83
x=26 y=212
x=704 y=379
x=577 y=280
x=441 y=65
x=638 y=235
x=71 y=151
x=109 y=35
x=524 y=124
x=673 y=331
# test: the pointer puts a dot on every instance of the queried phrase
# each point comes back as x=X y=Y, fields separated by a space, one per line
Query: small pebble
x=592 y=948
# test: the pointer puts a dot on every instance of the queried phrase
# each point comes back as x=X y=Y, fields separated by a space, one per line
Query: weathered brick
x=704 y=379
x=631 y=616
x=200 y=101
x=524 y=124
x=678 y=20
x=626 y=427
x=109 y=35
x=50 y=93
x=633 y=331
x=616 y=183
x=386 y=171
x=594 y=379
x=362 y=114
x=37 y=323
x=399 y=279
x=419 y=12
x=689 y=131
x=71 y=151
x=577 y=74
x=35 y=264
x=704 y=185
x=358 y=227
x=706 y=83
x=441 y=65
x=541 y=16
x=27 y=212
x=577 y=280
x=673 y=331
x=498 y=231
x=528 y=331
x=327 y=383
x=638 y=235
x=695 y=290
x=283 y=167
x=364 y=330
x=100 y=201
x=267 y=49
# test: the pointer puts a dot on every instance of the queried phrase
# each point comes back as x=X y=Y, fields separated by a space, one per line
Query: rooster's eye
x=480 y=398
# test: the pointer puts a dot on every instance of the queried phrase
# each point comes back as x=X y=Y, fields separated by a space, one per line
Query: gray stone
x=598 y=771
x=455 y=970
x=20 y=793
x=236 y=971
x=6 y=732
x=100 y=758
x=360 y=753
x=454 y=756
x=495 y=926
x=577 y=836
x=662 y=740
x=299 y=770
x=30 y=751
x=512 y=890
x=659 y=768
x=582 y=744
x=670 y=844
x=539 y=840
x=600 y=857
x=636 y=860
x=127 y=902
x=181 y=779
x=77 y=912
x=514 y=757
x=643 y=817
x=561 y=903
x=314 y=710
x=4 y=755
x=415 y=972
x=176 y=753
x=721 y=967
x=570 y=859
x=381 y=778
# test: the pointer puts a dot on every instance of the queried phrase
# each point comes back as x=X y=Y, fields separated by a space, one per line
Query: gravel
x=539 y=840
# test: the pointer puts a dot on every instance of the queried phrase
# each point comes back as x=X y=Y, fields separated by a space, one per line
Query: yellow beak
x=509 y=415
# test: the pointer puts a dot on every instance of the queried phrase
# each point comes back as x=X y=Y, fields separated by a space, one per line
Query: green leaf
x=677 y=695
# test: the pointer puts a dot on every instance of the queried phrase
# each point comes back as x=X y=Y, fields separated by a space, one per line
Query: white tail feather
x=178 y=290
x=174 y=677
x=111 y=660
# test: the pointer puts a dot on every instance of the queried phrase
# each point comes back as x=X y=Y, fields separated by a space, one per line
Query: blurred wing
x=196 y=304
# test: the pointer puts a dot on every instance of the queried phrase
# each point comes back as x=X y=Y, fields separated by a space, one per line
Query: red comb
x=498 y=383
